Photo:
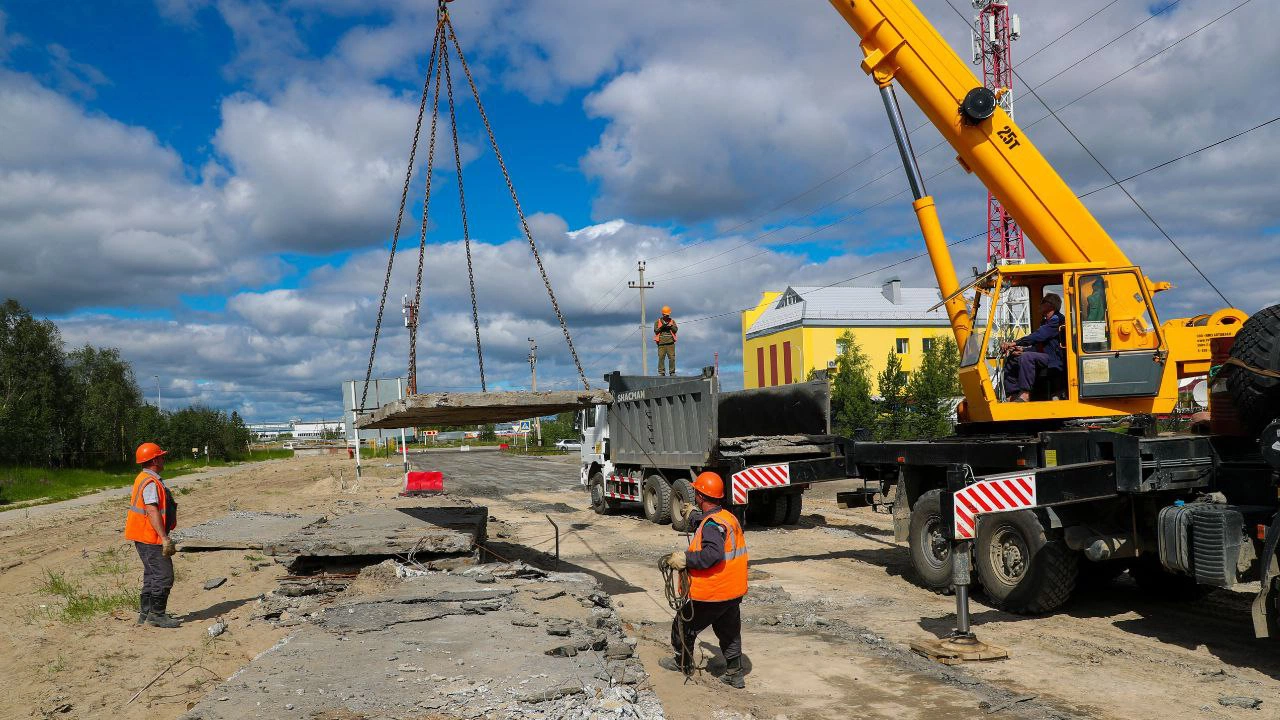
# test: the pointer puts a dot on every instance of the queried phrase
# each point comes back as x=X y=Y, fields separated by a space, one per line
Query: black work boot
x=733 y=673
x=144 y=606
x=676 y=664
x=157 y=617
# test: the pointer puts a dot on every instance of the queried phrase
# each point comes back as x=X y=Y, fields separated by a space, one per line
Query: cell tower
x=995 y=29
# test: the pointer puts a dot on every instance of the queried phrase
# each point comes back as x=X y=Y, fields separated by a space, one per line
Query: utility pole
x=644 y=336
x=533 y=368
x=159 y=407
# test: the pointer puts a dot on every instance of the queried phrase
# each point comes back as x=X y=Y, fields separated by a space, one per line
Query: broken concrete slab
x=474 y=408
x=403 y=652
x=392 y=531
x=241 y=530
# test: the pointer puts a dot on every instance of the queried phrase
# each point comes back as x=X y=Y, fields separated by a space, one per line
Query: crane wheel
x=1021 y=569
x=1256 y=397
x=930 y=549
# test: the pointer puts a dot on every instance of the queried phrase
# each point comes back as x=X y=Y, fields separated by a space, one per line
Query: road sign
x=432 y=433
x=525 y=426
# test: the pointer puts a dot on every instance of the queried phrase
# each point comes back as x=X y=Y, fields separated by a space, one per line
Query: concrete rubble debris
x=1248 y=703
x=241 y=530
x=420 y=646
x=391 y=531
x=217 y=629
x=214 y=583
x=474 y=408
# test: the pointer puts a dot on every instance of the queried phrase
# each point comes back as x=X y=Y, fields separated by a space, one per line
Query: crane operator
x=1023 y=363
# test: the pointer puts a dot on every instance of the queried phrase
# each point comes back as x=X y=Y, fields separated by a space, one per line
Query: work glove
x=676 y=560
x=686 y=511
x=169 y=548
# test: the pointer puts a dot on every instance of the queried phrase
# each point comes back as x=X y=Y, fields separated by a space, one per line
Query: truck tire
x=774 y=510
x=930 y=551
x=1022 y=571
x=601 y=504
x=681 y=493
x=795 y=503
x=656 y=498
x=1157 y=583
x=1256 y=397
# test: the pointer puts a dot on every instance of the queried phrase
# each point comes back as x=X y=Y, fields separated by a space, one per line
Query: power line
x=1073 y=28
x=1107 y=44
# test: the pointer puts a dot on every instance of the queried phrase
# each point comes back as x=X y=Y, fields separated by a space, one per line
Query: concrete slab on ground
x=389 y=531
x=475 y=408
x=242 y=530
x=454 y=645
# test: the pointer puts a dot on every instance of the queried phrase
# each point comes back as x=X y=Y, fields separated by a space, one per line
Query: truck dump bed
x=681 y=422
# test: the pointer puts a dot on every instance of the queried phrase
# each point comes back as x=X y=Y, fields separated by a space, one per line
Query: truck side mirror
x=577 y=421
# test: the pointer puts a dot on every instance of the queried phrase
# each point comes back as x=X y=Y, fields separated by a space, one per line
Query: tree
x=852 y=408
x=105 y=393
x=932 y=389
x=488 y=432
x=33 y=388
x=893 y=422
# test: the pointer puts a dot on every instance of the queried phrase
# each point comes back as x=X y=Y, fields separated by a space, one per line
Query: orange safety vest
x=137 y=526
x=727 y=579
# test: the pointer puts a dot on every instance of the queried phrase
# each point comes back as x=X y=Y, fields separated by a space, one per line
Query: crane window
x=1114 y=314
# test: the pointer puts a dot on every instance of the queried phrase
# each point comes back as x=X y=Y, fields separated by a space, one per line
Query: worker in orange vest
x=664 y=334
x=152 y=515
x=716 y=562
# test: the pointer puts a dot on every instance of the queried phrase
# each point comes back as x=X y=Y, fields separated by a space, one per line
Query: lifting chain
x=462 y=204
x=404 y=196
x=524 y=224
x=426 y=206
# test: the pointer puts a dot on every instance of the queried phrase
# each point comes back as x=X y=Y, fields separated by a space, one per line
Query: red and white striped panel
x=755 y=478
x=624 y=481
x=991 y=496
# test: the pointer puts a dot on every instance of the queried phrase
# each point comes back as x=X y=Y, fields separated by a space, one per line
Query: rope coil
x=675 y=586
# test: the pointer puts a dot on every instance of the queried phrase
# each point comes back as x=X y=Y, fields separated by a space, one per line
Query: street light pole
x=159 y=407
x=533 y=368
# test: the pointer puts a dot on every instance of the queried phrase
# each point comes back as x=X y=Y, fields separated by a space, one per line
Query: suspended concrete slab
x=476 y=408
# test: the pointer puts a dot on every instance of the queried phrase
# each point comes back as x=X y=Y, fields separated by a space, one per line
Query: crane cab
x=1114 y=354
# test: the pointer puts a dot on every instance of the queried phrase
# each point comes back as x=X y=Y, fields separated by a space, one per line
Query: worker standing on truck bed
x=716 y=561
x=152 y=515
x=664 y=334
x=1023 y=364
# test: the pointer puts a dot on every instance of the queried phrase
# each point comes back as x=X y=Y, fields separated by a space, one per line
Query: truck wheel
x=1021 y=570
x=930 y=549
x=795 y=502
x=1158 y=583
x=599 y=502
x=1256 y=397
x=774 y=510
x=681 y=493
x=657 y=500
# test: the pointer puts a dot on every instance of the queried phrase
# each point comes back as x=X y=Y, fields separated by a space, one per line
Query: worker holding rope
x=711 y=581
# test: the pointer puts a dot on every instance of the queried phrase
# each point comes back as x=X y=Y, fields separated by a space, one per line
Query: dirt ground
x=826 y=623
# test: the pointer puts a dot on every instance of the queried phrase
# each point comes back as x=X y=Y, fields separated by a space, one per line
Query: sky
x=211 y=186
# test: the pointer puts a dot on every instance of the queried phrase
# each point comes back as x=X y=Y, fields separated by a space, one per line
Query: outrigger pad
x=956 y=650
x=476 y=408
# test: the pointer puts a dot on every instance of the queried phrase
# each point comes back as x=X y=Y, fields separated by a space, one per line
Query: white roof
x=849 y=306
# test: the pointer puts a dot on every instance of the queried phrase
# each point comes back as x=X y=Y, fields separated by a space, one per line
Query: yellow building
x=797 y=330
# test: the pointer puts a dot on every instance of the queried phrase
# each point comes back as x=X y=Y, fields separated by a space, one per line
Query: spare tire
x=1256 y=397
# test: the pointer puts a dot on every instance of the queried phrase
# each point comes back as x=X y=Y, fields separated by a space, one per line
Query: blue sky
x=210 y=185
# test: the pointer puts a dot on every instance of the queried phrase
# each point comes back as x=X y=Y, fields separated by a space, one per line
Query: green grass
x=76 y=603
x=26 y=486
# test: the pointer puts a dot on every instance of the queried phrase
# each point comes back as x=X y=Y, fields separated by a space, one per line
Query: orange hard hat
x=709 y=484
x=147 y=452
x=666 y=309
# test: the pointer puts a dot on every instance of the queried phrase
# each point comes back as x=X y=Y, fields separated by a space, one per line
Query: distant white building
x=269 y=431
x=319 y=430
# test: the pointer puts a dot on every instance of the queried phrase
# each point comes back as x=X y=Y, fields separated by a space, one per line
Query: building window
x=903 y=346
x=760 y=366
x=786 y=362
x=926 y=344
x=773 y=365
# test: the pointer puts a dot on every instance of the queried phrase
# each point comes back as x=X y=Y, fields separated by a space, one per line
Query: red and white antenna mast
x=995 y=29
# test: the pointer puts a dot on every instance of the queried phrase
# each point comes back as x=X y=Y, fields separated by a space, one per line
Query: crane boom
x=901 y=45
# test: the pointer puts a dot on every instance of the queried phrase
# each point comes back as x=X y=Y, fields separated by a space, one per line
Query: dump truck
x=648 y=444
x=1033 y=492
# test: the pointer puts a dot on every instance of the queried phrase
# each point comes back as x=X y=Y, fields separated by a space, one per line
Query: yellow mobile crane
x=1119 y=360
x=1034 y=497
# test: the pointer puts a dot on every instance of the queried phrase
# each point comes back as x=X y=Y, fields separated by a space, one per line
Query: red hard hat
x=709 y=484
x=147 y=452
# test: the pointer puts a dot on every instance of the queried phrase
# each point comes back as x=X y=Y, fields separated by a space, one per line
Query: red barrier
x=424 y=481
